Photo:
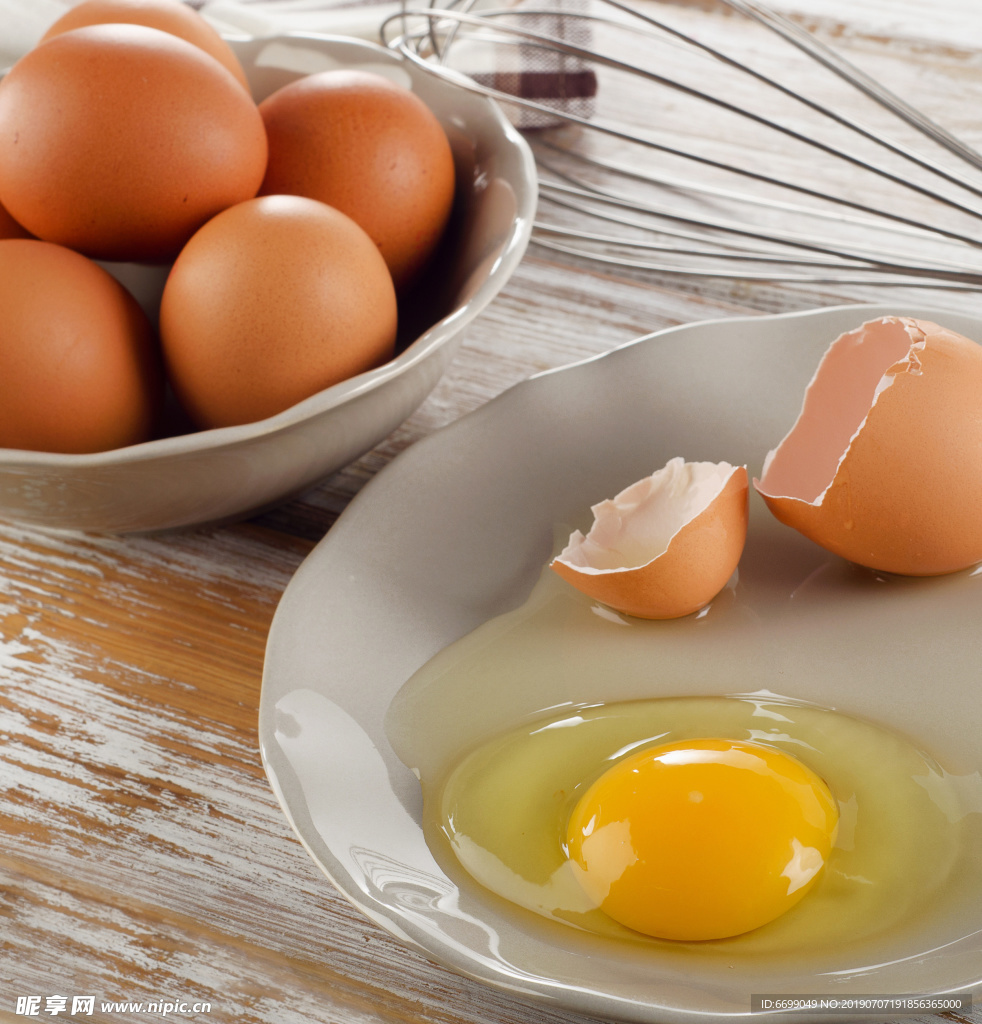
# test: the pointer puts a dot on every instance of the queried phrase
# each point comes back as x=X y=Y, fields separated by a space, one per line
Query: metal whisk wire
x=731 y=240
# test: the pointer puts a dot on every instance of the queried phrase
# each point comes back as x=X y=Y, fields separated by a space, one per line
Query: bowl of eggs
x=663 y=729
x=240 y=272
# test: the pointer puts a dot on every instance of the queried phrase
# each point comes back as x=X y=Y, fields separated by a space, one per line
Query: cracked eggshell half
x=884 y=463
x=665 y=546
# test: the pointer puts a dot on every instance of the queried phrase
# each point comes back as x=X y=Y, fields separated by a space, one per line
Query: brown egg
x=884 y=463
x=172 y=16
x=665 y=546
x=9 y=228
x=120 y=141
x=370 y=148
x=270 y=302
x=79 y=371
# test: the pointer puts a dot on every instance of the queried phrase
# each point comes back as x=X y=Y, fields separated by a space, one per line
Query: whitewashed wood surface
x=142 y=854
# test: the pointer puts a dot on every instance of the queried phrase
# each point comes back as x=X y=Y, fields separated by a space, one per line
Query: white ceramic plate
x=456 y=531
x=235 y=471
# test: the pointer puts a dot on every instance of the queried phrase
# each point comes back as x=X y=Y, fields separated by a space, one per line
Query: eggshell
x=121 y=140
x=665 y=546
x=79 y=370
x=884 y=463
x=172 y=16
x=270 y=302
x=370 y=148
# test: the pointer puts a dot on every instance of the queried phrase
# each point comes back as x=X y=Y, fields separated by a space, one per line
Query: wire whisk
x=663 y=150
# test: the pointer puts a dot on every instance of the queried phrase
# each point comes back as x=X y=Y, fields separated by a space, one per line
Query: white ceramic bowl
x=455 y=533
x=231 y=472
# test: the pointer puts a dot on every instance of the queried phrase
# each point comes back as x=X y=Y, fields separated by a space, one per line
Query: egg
x=702 y=838
x=665 y=546
x=270 y=302
x=171 y=16
x=121 y=140
x=834 y=839
x=370 y=148
x=792 y=827
x=79 y=370
x=882 y=465
x=9 y=228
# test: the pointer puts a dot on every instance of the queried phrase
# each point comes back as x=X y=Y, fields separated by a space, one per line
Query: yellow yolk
x=701 y=839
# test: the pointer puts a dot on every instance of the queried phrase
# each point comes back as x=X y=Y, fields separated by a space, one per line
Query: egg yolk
x=701 y=839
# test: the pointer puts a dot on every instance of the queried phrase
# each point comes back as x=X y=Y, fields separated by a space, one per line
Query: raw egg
x=270 y=302
x=79 y=370
x=370 y=148
x=171 y=16
x=882 y=465
x=745 y=853
x=119 y=141
x=702 y=838
x=665 y=546
x=566 y=789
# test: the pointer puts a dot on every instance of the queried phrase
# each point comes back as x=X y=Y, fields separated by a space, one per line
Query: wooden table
x=143 y=856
